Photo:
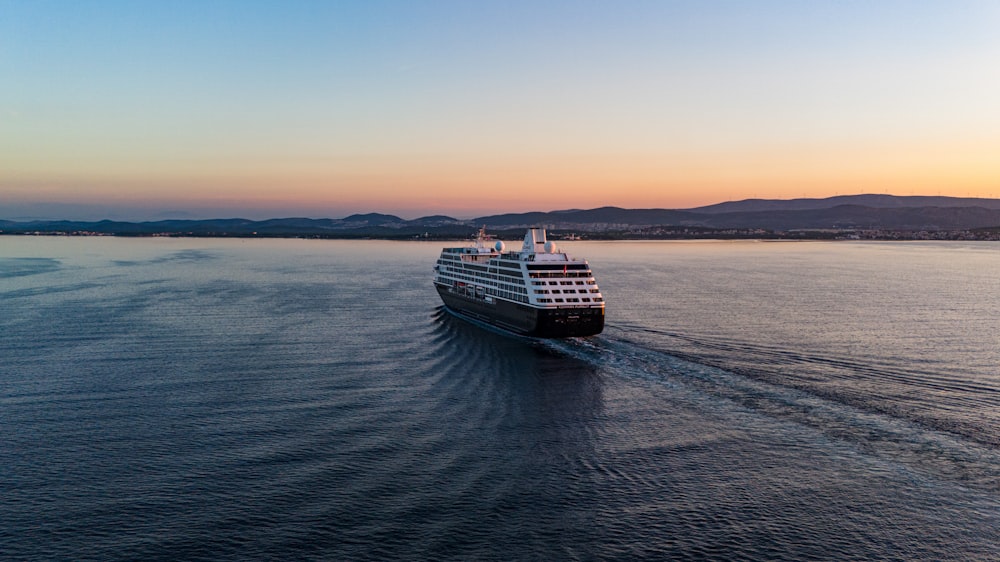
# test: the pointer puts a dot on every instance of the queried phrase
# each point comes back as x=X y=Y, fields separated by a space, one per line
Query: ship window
x=595 y=290
x=557 y=291
x=598 y=299
x=559 y=300
x=569 y=291
x=585 y=299
x=579 y=282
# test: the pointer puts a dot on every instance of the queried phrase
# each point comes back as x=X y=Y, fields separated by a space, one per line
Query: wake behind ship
x=538 y=291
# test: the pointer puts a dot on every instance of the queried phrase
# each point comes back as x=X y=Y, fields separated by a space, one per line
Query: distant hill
x=883 y=212
x=373 y=218
x=601 y=216
x=869 y=200
x=843 y=212
x=354 y=226
x=846 y=217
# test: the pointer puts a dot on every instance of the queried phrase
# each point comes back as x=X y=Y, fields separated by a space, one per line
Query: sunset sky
x=262 y=109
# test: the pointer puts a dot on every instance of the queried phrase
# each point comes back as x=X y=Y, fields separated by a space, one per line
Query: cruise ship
x=537 y=291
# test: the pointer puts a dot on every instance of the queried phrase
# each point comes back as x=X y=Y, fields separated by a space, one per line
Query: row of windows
x=461 y=277
x=470 y=279
x=598 y=299
x=513 y=295
x=508 y=278
x=505 y=278
x=553 y=266
x=557 y=291
x=588 y=282
x=515 y=272
x=549 y=275
x=509 y=271
x=517 y=278
x=459 y=255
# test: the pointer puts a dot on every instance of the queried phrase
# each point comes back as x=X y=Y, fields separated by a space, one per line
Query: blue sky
x=326 y=108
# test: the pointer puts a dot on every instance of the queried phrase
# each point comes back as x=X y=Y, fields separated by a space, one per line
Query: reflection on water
x=300 y=399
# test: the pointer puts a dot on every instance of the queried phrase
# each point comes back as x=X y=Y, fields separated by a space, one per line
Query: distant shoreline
x=982 y=235
x=854 y=217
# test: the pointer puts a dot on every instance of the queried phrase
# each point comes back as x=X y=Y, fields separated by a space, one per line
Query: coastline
x=658 y=233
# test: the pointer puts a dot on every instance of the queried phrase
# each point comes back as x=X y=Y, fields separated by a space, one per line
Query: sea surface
x=210 y=399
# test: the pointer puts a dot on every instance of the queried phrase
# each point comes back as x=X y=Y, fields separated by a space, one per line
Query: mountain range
x=847 y=212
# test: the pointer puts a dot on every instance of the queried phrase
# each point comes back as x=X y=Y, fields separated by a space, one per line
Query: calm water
x=217 y=399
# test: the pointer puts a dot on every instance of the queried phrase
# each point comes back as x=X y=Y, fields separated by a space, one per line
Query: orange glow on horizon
x=428 y=184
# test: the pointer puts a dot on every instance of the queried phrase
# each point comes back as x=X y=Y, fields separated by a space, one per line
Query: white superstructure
x=538 y=290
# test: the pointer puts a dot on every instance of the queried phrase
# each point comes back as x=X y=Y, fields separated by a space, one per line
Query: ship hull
x=526 y=320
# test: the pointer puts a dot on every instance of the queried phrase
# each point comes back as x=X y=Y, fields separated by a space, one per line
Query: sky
x=147 y=109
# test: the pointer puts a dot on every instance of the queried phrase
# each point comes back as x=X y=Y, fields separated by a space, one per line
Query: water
x=289 y=399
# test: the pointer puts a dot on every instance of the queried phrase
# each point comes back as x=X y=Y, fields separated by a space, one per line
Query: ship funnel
x=534 y=241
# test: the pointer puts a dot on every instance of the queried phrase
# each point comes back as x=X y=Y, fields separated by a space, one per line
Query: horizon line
x=179 y=215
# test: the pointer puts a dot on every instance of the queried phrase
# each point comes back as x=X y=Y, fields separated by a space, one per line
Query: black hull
x=525 y=320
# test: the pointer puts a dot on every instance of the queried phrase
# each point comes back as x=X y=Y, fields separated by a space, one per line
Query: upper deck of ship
x=534 y=249
x=538 y=275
